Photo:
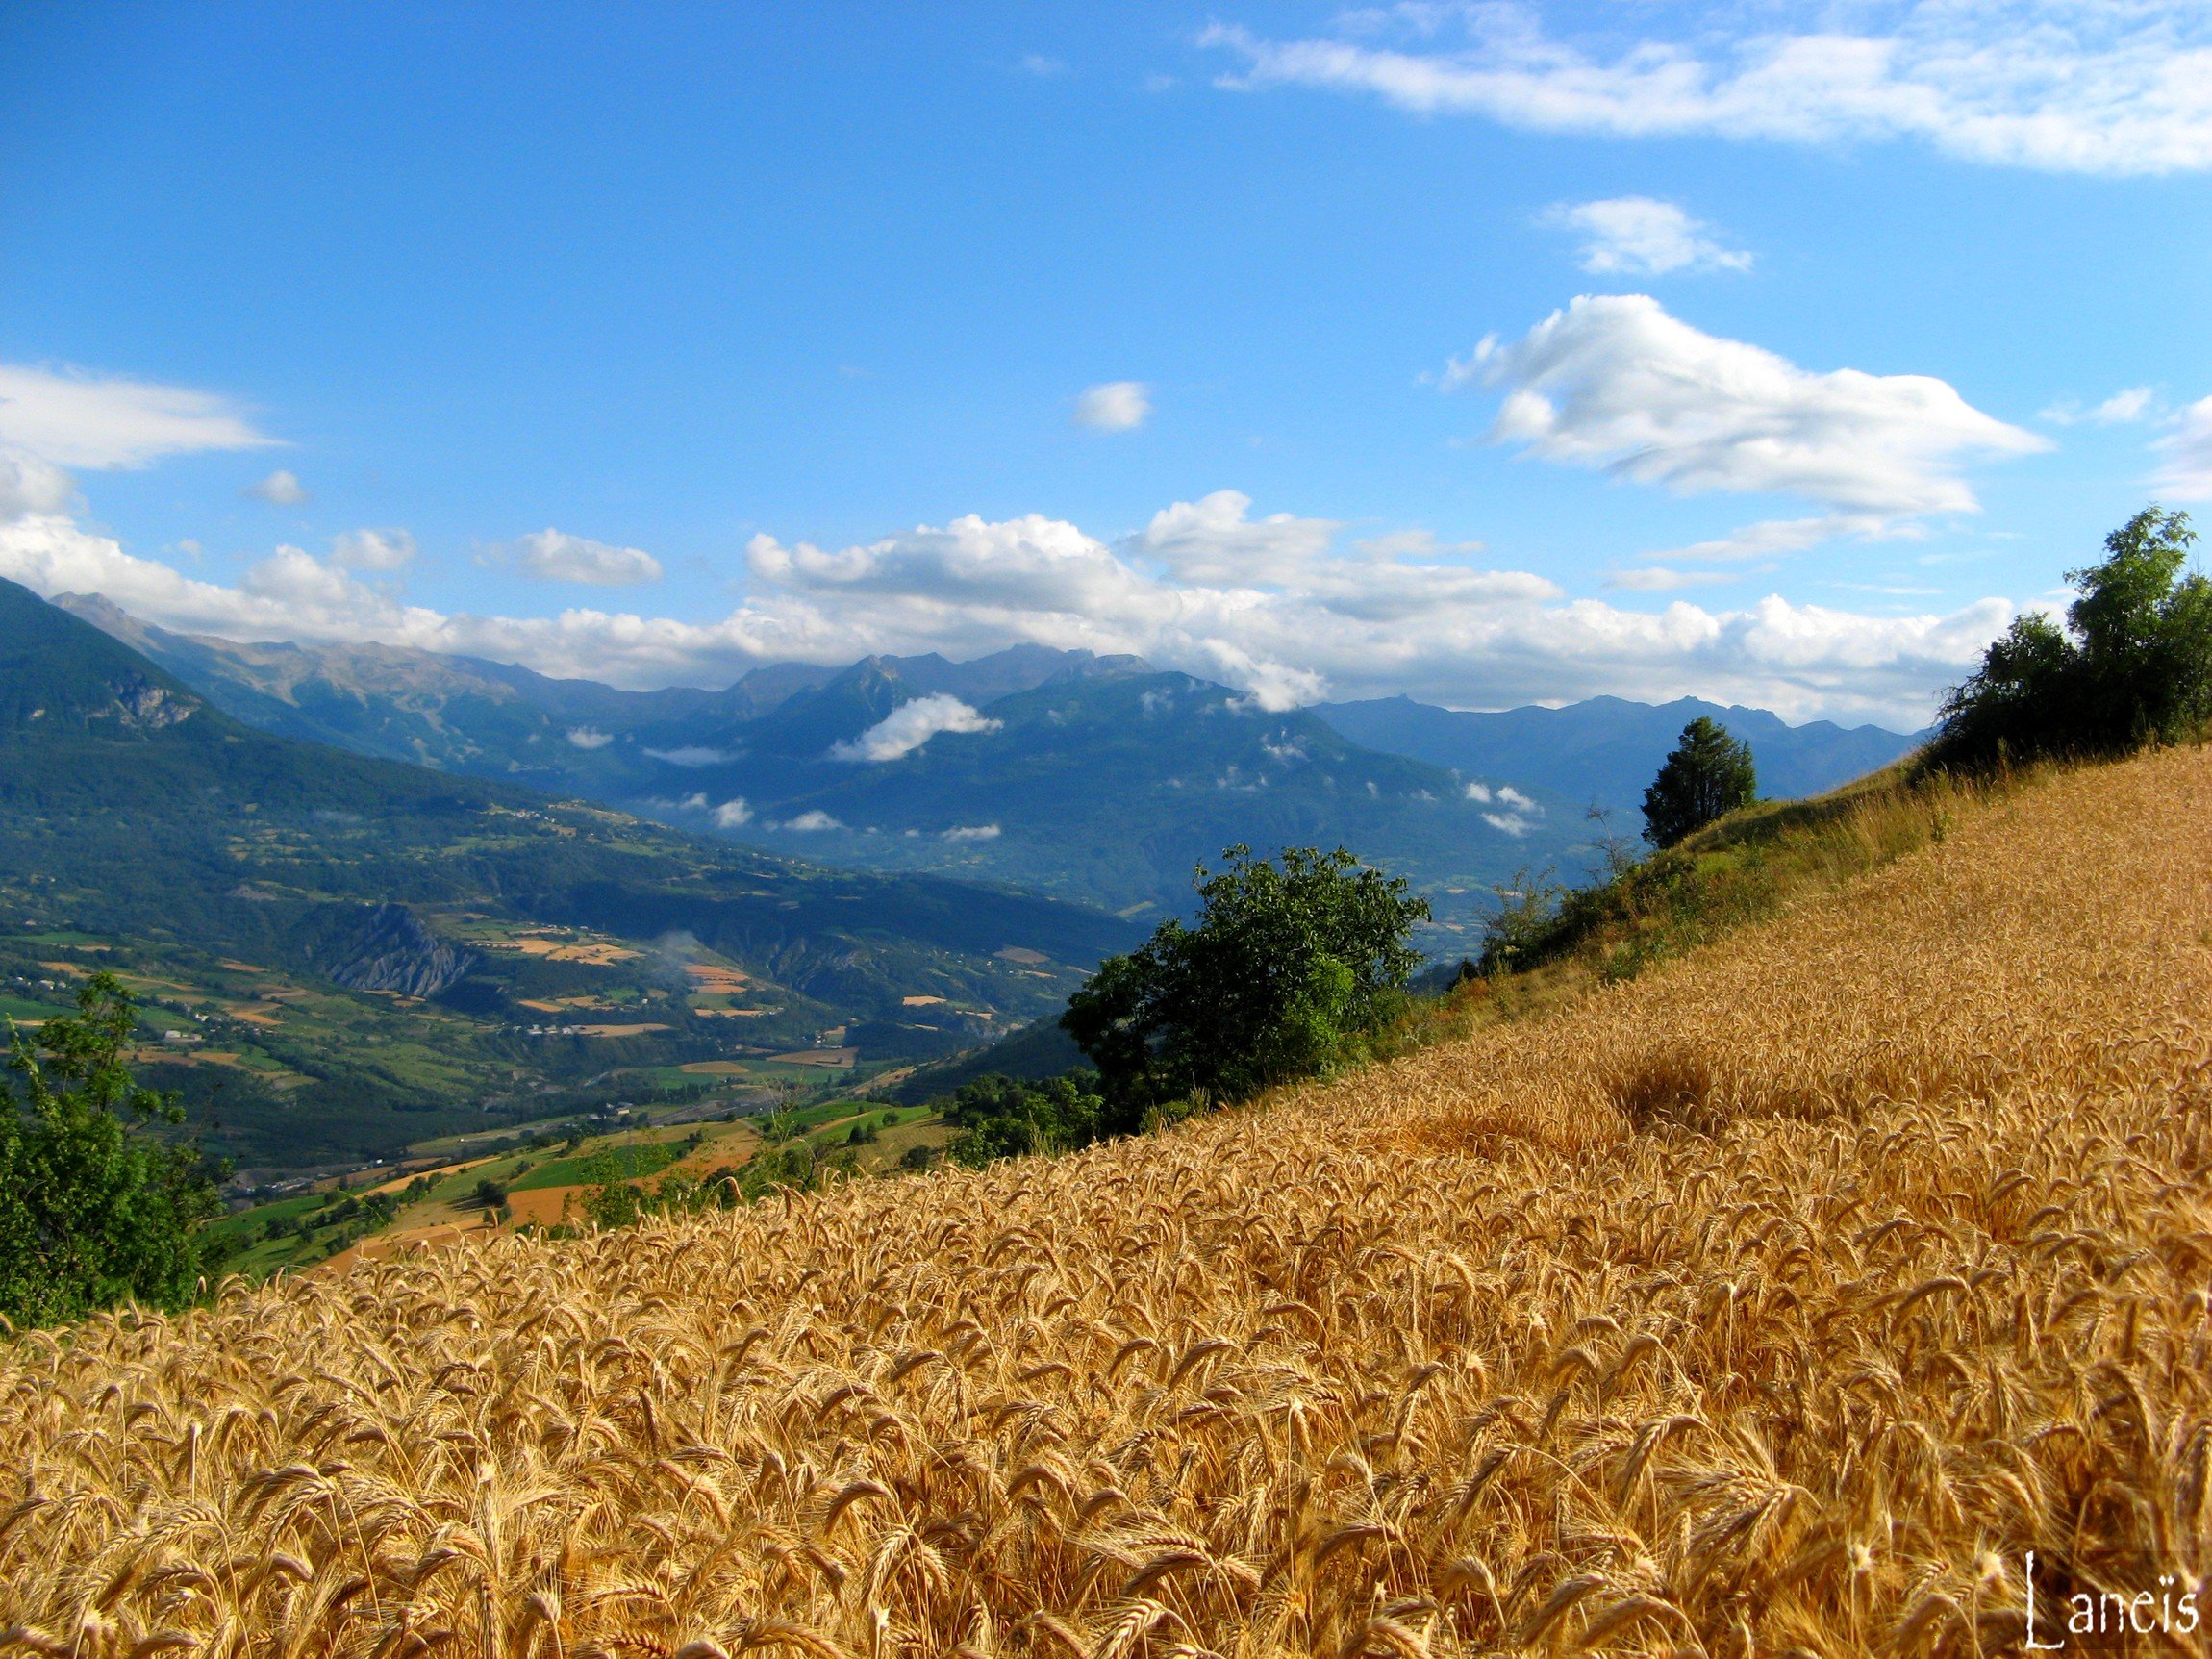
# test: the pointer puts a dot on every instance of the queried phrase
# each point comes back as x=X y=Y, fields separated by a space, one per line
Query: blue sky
x=650 y=342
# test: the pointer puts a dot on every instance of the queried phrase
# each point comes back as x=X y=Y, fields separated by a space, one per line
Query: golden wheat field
x=1779 y=1302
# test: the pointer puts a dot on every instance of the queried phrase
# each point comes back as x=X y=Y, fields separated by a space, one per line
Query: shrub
x=995 y=1117
x=489 y=1194
x=2132 y=664
x=1286 y=968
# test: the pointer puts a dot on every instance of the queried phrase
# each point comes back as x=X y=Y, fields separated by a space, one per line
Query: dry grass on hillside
x=1780 y=1301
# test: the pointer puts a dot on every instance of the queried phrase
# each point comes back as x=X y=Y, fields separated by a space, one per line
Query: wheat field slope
x=1780 y=1301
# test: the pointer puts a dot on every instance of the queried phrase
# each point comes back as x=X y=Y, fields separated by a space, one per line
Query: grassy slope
x=1782 y=1296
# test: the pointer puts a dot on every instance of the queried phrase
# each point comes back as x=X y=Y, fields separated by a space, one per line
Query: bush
x=996 y=1117
x=1286 y=968
x=1708 y=776
x=94 y=1210
x=489 y=1194
x=2132 y=665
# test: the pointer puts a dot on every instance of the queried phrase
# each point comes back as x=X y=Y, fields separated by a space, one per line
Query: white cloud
x=2121 y=408
x=1769 y=538
x=1519 y=815
x=29 y=486
x=279 y=489
x=909 y=726
x=293 y=581
x=1117 y=406
x=2065 y=86
x=809 y=822
x=1414 y=545
x=1615 y=382
x=556 y=556
x=732 y=814
x=1639 y=236
x=972 y=832
x=2187 y=470
x=1213 y=541
x=1039 y=64
x=373 y=549
x=588 y=738
x=77 y=419
x=1658 y=579
x=690 y=755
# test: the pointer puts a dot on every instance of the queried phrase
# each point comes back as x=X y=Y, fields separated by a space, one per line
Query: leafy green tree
x=2132 y=664
x=1708 y=776
x=1286 y=968
x=94 y=1209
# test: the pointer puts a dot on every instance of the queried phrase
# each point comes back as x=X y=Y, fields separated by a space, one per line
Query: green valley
x=337 y=957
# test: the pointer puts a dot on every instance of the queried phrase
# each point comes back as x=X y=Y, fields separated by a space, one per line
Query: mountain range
x=378 y=952
x=1099 y=779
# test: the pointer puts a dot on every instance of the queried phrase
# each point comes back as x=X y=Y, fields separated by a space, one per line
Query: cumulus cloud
x=2186 y=454
x=29 y=486
x=1213 y=541
x=293 y=581
x=909 y=726
x=809 y=822
x=732 y=814
x=279 y=489
x=2064 y=85
x=82 y=420
x=1117 y=406
x=1516 y=814
x=373 y=549
x=556 y=556
x=588 y=738
x=972 y=832
x=1639 y=236
x=1613 y=382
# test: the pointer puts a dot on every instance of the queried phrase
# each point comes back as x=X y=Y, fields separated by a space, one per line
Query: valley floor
x=1786 y=1298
